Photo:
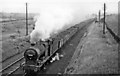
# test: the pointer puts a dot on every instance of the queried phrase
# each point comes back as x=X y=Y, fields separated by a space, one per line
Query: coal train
x=38 y=54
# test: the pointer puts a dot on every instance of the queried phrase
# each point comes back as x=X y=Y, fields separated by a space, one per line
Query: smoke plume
x=54 y=19
x=50 y=22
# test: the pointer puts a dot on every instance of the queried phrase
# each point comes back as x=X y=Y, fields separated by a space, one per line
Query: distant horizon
x=12 y=6
x=83 y=9
x=38 y=13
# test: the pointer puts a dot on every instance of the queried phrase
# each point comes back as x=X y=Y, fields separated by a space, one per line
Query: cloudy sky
x=90 y=6
x=56 y=14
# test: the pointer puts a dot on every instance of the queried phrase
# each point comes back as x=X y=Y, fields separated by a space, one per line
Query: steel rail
x=11 y=64
x=11 y=72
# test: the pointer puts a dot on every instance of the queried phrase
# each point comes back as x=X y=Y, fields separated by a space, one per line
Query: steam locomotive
x=38 y=54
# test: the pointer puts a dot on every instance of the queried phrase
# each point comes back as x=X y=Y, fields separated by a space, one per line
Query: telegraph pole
x=99 y=16
x=26 y=20
x=104 y=18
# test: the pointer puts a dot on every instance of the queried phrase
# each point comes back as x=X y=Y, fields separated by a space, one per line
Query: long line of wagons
x=38 y=54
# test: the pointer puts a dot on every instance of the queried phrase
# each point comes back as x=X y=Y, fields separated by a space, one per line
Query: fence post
x=104 y=19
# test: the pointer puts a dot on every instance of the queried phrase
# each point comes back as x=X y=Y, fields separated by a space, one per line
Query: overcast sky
x=89 y=6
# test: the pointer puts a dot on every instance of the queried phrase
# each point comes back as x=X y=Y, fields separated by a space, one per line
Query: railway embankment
x=96 y=53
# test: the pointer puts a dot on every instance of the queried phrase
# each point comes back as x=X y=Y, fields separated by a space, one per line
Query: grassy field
x=112 y=21
x=13 y=33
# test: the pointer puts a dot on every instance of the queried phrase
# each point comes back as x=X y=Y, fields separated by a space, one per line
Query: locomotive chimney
x=32 y=44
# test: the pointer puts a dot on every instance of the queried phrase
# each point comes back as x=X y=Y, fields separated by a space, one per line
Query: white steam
x=50 y=22
x=55 y=17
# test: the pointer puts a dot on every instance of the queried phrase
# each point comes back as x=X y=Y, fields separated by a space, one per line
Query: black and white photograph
x=59 y=37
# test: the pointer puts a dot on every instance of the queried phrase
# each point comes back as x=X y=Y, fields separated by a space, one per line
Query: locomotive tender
x=38 y=54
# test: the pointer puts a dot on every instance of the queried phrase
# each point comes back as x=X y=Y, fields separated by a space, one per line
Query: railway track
x=11 y=68
x=73 y=42
x=14 y=66
x=10 y=57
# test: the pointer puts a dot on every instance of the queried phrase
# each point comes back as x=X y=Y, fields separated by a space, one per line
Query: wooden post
x=26 y=20
x=99 y=16
x=104 y=19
